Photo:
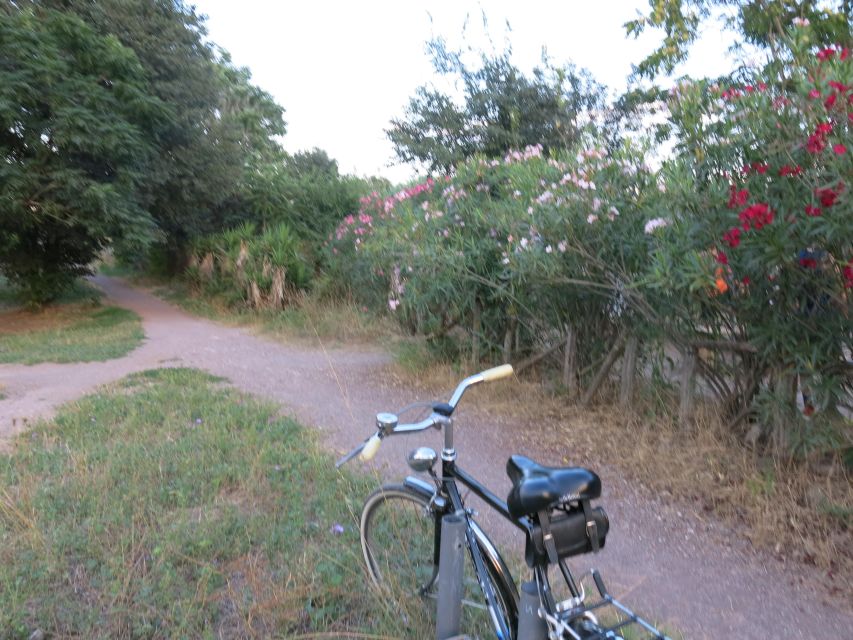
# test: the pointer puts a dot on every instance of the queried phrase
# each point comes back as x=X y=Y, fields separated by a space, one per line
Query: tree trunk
x=615 y=350
x=475 y=333
x=629 y=368
x=570 y=362
x=508 y=337
x=688 y=368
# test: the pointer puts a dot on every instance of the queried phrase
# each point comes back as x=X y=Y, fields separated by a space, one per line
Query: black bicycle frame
x=451 y=473
x=450 y=470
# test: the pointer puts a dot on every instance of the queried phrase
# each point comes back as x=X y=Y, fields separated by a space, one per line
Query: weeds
x=309 y=317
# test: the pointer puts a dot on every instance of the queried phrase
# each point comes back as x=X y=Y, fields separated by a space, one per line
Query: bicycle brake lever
x=352 y=454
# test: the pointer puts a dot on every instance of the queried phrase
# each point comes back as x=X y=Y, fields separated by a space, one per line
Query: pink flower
x=813 y=211
x=839 y=149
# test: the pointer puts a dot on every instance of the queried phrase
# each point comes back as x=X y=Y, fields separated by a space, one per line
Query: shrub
x=257 y=270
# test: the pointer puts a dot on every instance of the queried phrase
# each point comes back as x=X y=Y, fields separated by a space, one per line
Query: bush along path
x=692 y=575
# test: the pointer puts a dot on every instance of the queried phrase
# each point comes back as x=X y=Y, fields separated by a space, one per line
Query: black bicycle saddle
x=535 y=487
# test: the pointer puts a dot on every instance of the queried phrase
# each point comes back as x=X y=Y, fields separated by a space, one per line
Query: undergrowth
x=310 y=317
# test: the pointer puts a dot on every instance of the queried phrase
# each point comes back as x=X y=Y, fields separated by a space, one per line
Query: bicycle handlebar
x=387 y=423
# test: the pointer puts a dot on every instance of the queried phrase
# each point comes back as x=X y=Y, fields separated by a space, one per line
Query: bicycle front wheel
x=398 y=528
x=398 y=538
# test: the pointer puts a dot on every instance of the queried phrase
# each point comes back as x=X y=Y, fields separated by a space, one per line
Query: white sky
x=342 y=69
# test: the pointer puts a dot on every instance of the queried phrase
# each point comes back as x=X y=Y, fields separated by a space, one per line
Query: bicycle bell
x=386 y=422
x=422 y=459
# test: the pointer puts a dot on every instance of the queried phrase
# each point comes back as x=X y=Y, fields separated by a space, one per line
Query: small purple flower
x=337 y=529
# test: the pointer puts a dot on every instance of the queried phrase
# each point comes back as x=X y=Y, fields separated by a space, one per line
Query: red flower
x=788 y=170
x=848 y=275
x=823 y=128
x=830 y=101
x=756 y=216
x=816 y=143
x=737 y=198
x=760 y=167
x=827 y=196
x=732 y=237
x=845 y=52
x=808 y=263
x=814 y=94
x=722 y=258
x=813 y=211
x=826 y=54
x=838 y=86
x=839 y=149
x=746 y=280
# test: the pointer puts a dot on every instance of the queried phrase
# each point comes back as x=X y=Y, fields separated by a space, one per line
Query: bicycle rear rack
x=603 y=619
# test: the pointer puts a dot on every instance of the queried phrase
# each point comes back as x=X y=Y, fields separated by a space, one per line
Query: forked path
x=694 y=576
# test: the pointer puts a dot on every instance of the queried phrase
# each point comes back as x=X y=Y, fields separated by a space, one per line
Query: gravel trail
x=665 y=560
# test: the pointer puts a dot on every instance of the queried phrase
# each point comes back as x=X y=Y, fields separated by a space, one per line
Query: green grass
x=73 y=332
x=169 y=506
x=76 y=328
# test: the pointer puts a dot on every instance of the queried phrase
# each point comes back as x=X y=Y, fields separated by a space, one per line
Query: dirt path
x=695 y=576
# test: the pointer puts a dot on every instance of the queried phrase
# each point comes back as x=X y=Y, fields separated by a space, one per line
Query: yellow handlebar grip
x=496 y=373
x=370 y=448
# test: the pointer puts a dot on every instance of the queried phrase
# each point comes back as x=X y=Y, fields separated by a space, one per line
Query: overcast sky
x=342 y=70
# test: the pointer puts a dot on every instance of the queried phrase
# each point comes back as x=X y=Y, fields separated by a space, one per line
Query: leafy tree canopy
x=73 y=109
x=501 y=109
x=761 y=23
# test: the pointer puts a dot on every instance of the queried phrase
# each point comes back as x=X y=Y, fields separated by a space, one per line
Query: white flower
x=591 y=218
x=800 y=22
x=393 y=303
x=561 y=246
x=656 y=223
x=548 y=249
x=524 y=242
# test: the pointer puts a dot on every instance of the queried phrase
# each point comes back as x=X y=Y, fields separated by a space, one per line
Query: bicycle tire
x=397 y=538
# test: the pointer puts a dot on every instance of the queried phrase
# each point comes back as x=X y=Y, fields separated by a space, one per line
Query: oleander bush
x=735 y=256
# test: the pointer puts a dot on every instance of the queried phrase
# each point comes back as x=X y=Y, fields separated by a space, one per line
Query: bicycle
x=551 y=505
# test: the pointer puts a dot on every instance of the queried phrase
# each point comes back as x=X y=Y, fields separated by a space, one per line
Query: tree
x=761 y=23
x=218 y=123
x=502 y=109
x=73 y=108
